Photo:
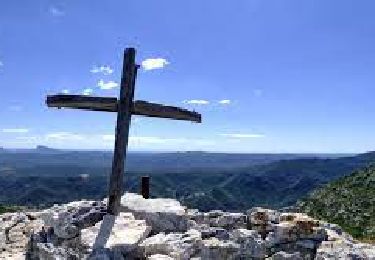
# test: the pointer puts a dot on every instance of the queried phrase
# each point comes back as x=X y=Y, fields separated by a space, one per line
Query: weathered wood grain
x=109 y=104
x=124 y=113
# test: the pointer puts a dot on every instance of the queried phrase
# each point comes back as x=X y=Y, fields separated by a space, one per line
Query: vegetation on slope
x=205 y=181
x=6 y=208
x=348 y=202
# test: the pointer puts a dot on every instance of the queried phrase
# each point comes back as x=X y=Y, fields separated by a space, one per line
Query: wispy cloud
x=65 y=91
x=196 y=102
x=65 y=139
x=225 y=102
x=147 y=139
x=105 y=69
x=28 y=139
x=64 y=136
x=55 y=11
x=87 y=91
x=15 y=130
x=1 y=64
x=162 y=141
x=107 y=85
x=154 y=63
x=243 y=135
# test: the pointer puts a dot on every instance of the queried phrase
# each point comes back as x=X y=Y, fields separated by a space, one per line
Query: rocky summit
x=163 y=229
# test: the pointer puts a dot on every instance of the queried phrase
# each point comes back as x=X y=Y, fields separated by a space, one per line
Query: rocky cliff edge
x=164 y=229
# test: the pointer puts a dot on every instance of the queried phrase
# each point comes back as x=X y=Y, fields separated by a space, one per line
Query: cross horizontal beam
x=109 y=104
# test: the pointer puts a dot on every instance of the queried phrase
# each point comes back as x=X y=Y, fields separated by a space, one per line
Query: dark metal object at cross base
x=145 y=187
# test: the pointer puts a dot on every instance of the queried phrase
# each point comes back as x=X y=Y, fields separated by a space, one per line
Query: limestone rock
x=67 y=220
x=82 y=230
x=179 y=246
x=159 y=257
x=47 y=251
x=163 y=215
x=262 y=216
x=214 y=248
x=218 y=218
x=15 y=231
x=331 y=250
x=251 y=244
x=121 y=234
x=287 y=256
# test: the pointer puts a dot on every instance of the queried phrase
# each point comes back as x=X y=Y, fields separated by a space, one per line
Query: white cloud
x=243 y=135
x=139 y=141
x=196 y=102
x=154 y=63
x=106 y=70
x=225 y=102
x=64 y=136
x=56 y=11
x=147 y=139
x=65 y=91
x=1 y=63
x=15 y=130
x=107 y=85
x=28 y=139
x=105 y=141
x=87 y=91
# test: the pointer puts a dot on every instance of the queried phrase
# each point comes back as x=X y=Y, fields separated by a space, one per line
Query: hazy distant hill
x=136 y=161
x=201 y=180
x=348 y=202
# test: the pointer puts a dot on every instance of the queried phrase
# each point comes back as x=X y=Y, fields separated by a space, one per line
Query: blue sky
x=268 y=76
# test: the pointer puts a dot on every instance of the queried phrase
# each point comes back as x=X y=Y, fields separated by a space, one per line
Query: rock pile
x=159 y=229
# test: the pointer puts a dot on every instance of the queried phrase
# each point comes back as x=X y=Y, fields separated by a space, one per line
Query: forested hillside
x=199 y=180
x=348 y=202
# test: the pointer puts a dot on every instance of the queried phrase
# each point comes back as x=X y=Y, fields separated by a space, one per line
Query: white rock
x=15 y=230
x=179 y=246
x=66 y=219
x=163 y=215
x=345 y=250
x=119 y=234
x=47 y=251
x=251 y=244
x=159 y=257
x=287 y=256
x=214 y=248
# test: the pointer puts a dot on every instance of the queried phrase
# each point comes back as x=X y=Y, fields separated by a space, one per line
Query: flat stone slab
x=163 y=215
x=120 y=233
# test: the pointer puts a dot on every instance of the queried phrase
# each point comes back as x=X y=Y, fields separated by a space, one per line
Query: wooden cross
x=125 y=107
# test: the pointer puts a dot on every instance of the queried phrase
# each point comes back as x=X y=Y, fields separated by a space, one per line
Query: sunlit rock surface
x=163 y=229
x=163 y=215
x=120 y=233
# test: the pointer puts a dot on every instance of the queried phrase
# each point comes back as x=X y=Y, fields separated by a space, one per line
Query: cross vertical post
x=124 y=107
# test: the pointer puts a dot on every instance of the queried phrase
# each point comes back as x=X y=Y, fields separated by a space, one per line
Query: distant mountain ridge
x=143 y=161
x=199 y=180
